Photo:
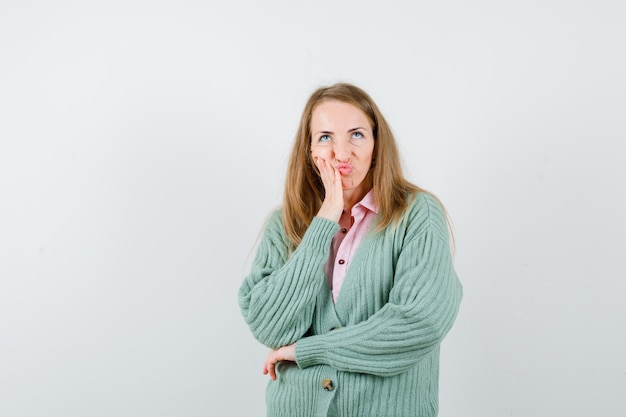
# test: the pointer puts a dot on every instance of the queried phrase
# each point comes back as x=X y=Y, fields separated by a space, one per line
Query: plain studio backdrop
x=143 y=144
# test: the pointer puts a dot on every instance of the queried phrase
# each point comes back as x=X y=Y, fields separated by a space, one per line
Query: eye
x=324 y=138
x=357 y=135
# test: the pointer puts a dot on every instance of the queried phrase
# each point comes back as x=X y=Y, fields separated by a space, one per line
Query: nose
x=342 y=151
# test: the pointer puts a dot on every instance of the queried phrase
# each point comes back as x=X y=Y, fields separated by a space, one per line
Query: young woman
x=352 y=285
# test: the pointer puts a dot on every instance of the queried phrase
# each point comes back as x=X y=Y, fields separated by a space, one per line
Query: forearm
x=384 y=349
x=277 y=299
x=421 y=310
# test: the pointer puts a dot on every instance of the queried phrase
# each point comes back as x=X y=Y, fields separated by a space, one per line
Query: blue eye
x=357 y=135
x=324 y=138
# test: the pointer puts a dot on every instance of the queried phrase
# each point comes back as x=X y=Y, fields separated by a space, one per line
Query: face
x=342 y=135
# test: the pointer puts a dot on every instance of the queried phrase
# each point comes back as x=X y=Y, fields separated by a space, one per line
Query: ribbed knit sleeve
x=422 y=306
x=277 y=298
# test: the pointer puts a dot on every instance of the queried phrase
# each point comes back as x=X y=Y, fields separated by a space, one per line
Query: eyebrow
x=328 y=132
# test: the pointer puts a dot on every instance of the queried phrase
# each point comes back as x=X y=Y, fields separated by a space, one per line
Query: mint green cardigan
x=375 y=353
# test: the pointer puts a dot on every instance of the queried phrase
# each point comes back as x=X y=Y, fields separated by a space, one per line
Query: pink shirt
x=353 y=227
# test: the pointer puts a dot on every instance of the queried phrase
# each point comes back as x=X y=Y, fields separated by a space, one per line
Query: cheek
x=319 y=153
x=366 y=155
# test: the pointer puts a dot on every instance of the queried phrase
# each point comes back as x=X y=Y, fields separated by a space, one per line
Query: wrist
x=330 y=213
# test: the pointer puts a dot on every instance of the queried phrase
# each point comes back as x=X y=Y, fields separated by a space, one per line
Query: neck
x=351 y=197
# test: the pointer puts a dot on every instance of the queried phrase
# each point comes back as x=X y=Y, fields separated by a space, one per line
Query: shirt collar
x=368 y=202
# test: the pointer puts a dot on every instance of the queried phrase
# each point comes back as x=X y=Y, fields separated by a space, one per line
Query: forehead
x=339 y=114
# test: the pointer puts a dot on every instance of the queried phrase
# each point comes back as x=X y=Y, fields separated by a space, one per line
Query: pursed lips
x=344 y=169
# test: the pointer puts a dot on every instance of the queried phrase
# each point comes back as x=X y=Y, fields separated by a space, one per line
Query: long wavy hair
x=304 y=191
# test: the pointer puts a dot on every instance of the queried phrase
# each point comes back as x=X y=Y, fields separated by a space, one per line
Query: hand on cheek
x=332 y=206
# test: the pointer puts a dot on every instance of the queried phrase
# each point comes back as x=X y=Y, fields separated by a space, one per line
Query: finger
x=329 y=174
x=268 y=367
x=321 y=165
x=272 y=371
x=320 y=168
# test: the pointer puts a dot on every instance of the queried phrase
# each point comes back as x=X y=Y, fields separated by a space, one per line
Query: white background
x=142 y=144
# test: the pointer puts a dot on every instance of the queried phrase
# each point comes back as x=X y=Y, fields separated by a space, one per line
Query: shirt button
x=341 y=262
x=344 y=230
x=327 y=384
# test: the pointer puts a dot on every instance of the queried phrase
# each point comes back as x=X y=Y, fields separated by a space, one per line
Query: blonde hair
x=304 y=190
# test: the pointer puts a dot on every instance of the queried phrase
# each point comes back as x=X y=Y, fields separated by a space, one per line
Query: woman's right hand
x=332 y=206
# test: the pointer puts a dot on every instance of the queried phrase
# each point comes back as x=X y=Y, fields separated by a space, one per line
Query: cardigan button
x=327 y=384
x=341 y=262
